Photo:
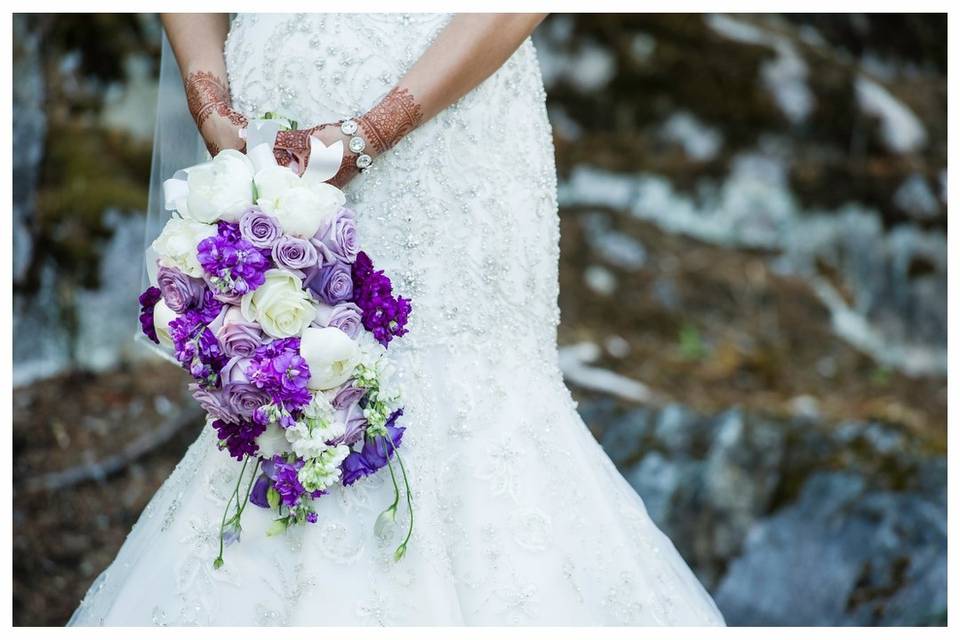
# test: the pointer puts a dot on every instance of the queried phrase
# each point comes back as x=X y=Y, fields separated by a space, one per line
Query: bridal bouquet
x=262 y=294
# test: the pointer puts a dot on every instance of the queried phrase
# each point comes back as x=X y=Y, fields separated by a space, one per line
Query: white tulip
x=300 y=206
x=331 y=355
x=162 y=317
x=217 y=190
x=273 y=441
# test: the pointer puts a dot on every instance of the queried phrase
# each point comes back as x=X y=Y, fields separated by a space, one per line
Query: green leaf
x=218 y=562
x=273 y=498
x=279 y=526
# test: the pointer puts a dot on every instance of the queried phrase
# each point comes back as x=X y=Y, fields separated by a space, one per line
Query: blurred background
x=753 y=294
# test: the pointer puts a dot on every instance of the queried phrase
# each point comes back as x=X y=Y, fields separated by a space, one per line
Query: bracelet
x=356 y=144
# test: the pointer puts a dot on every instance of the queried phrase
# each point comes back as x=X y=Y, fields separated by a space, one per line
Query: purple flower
x=210 y=307
x=232 y=266
x=278 y=369
x=239 y=438
x=294 y=253
x=241 y=396
x=383 y=314
x=258 y=228
x=339 y=237
x=212 y=401
x=258 y=495
x=285 y=480
x=331 y=283
x=148 y=300
x=239 y=336
x=346 y=316
x=350 y=413
x=374 y=454
x=196 y=348
x=179 y=291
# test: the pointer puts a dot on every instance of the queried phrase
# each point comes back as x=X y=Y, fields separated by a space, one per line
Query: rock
x=843 y=554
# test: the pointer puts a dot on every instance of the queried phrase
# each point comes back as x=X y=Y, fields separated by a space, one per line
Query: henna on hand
x=207 y=94
x=392 y=118
x=382 y=127
x=292 y=149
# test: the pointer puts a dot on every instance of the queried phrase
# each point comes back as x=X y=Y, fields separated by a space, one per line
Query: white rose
x=162 y=317
x=331 y=355
x=176 y=246
x=273 y=441
x=300 y=206
x=280 y=305
x=218 y=190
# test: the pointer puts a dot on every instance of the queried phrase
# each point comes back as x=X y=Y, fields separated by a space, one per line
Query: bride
x=520 y=516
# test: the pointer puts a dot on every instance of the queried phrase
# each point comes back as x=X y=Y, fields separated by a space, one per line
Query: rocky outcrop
x=789 y=522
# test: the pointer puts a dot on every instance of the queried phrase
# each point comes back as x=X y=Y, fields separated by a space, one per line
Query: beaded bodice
x=462 y=212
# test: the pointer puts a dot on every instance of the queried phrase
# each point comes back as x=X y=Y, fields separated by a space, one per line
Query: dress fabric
x=520 y=516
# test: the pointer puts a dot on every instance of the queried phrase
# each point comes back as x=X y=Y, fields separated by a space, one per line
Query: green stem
x=246 y=499
x=218 y=561
x=406 y=487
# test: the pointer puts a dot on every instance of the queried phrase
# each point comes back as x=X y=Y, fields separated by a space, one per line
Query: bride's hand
x=292 y=149
x=209 y=102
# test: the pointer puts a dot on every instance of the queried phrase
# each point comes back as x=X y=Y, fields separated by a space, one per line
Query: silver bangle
x=356 y=144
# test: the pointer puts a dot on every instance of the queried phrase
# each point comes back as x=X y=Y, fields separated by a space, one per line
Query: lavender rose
x=346 y=316
x=179 y=291
x=240 y=395
x=350 y=413
x=339 y=236
x=213 y=403
x=237 y=335
x=332 y=283
x=258 y=228
x=294 y=253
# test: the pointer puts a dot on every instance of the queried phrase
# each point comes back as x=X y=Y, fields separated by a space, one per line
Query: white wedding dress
x=520 y=517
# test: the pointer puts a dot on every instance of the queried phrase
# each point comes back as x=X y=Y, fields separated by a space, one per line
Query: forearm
x=197 y=41
x=467 y=52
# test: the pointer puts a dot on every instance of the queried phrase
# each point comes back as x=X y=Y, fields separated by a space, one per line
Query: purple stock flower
x=148 y=300
x=232 y=266
x=331 y=283
x=179 y=291
x=258 y=228
x=240 y=438
x=285 y=480
x=196 y=348
x=383 y=314
x=278 y=369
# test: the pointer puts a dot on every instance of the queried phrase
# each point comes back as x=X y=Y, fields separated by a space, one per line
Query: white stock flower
x=301 y=206
x=331 y=355
x=218 y=190
x=323 y=470
x=176 y=246
x=162 y=316
x=280 y=305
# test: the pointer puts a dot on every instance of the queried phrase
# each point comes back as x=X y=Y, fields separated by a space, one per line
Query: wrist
x=396 y=115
